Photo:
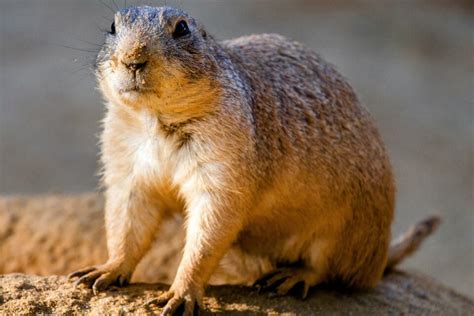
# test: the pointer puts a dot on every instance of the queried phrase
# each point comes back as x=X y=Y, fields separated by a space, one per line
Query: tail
x=409 y=242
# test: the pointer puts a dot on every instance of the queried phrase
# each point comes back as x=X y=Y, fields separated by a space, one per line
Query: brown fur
x=261 y=145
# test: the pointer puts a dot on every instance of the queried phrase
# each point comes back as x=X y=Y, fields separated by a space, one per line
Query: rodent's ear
x=202 y=30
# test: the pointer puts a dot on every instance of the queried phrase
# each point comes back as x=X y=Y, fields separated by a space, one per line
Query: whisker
x=107 y=6
x=84 y=76
x=76 y=48
x=85 y=62
x=100 y=28
x=89 y=70
x=107 y=19
x=87 y=42
x=116 y=6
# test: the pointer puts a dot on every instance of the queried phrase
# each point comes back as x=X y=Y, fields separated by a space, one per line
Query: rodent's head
x=156 y=57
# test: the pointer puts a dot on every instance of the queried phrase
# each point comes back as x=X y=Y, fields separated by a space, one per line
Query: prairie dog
x=259 y=143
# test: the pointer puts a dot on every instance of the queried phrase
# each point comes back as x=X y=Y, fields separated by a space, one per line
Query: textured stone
x=56 y=234
x=399 y=293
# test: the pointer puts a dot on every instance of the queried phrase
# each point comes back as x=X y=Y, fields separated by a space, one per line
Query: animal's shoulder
x=274 y=56
x=268 y=45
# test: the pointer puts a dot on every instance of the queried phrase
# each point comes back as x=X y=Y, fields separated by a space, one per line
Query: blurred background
x=411 y=63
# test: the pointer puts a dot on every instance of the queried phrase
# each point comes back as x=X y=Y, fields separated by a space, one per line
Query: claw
x=122 y=281
x=161 y=300
x=191 y=307
x=175 y=304
x=101 y=283
x=88 y=279
x=305 y=290
x=100 y=277
x=172 y=306
x=283 y=281
x=278 y=279
x=272 y=280
x=263 y=280
x=80 y=273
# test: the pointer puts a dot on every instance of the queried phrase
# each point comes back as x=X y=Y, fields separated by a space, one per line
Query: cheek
x=171 y=79
x=109 y=82
x=114 y=77
x=192 y=66
x=108 y=91
x=118 y=80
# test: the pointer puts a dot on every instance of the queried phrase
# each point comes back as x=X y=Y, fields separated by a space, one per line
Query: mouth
x=134 y=93
x=129 y=82
x=136 y=89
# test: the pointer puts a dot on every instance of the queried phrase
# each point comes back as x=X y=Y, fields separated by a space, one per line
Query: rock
x=399 y=293
x=56 y=234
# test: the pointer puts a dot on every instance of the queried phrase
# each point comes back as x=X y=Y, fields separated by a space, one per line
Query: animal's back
x=302 y=107
x=320 y=148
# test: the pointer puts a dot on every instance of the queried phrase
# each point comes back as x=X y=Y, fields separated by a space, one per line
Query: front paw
x=101 y=277
x=179 y=302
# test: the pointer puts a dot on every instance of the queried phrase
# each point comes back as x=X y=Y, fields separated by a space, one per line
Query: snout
x=133 y=55
x=134 y=65
x=131 y=64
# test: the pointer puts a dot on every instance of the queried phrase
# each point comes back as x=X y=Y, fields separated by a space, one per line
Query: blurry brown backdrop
x=410 y=61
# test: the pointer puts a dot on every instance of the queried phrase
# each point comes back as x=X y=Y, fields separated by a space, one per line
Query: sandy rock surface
x=398 y=294
x=57 y=234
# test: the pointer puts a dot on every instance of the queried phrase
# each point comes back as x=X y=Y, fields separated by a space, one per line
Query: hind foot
x=282 y=281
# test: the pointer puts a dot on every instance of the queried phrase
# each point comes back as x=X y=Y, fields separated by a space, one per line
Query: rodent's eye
x=181 y=29
x=112 y=28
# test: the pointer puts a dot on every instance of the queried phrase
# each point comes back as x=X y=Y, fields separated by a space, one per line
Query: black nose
x=134 y=66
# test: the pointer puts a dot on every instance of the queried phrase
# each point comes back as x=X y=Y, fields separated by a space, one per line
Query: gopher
x=257 y=142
